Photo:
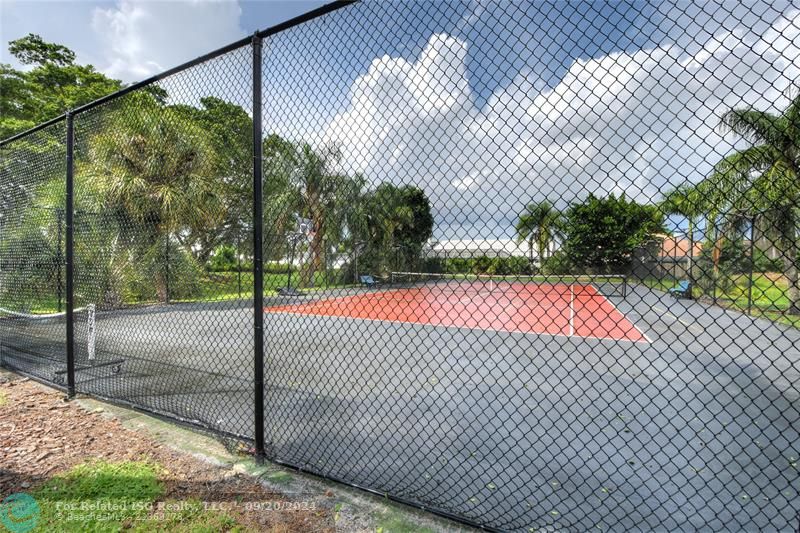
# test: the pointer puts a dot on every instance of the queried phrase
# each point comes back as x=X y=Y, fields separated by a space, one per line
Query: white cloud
x=634 y=122
x=143 y=38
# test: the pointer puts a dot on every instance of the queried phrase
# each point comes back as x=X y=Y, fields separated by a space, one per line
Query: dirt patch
x=41 y=435
x=776 y=277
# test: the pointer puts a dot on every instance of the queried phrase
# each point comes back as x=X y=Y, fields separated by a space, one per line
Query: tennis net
x=36 y=343
x=609 y=285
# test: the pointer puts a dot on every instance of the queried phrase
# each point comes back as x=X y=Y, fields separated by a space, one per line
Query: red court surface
x=560 y=309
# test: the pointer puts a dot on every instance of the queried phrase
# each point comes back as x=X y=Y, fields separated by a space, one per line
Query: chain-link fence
x=530 y=265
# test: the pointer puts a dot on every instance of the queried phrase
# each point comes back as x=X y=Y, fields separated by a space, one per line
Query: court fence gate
x=532 y=266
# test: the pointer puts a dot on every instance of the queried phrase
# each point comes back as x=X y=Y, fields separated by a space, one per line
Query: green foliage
x=160 y=273
x=601 y=234
x=733 y=259
x=31 y=261
x=510 y=266
x=224 y=259
x=557 y=265
x=459 y=265
x=481 y=265
x=229 y=131
x=538 y=224
x=763 y=263
x=120 y=497
x=410 y=237
x=154 y=167
x=32 y=50
x=763 y=180
x=53 y=85
x=300 y=181
x=278 y=268
x=502 y=266
x=394 y=222
x=123 y=489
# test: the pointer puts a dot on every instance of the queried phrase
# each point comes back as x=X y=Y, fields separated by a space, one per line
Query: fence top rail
x=33 y=130
x=283 y=26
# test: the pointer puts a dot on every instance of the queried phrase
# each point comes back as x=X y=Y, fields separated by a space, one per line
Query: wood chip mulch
x=41 y=435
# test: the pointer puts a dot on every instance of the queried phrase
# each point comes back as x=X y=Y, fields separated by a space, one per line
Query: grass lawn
x=218 y=286
x=103 y=496
x=78 y=469
x=214 y=287
x=769 y=299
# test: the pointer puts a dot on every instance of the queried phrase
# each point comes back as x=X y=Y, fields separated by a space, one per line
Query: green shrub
x=223 y=259
x=557 y=264
x=157 y=274
x=763 y=263
x=275 y=268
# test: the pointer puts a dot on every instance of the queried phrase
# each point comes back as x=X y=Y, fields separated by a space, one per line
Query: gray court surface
x=697 y=429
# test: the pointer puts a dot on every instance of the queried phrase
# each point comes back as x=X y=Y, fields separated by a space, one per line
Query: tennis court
x=302 y=242
x=579 y=307
x=606 y=430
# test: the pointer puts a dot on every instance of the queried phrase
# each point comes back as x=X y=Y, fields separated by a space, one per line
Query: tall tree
x=229 y=130
x=410 y=237
x=688 y=202
x=393 y=222
x=54 y=84
x=154 y=168
x=764 y=179
x=301 y=181
x=538 y=225
x=601 y=234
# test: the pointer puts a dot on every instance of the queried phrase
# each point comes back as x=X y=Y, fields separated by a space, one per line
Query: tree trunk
x=308 y=270
x=690 y=256
x=793 y=276
x=542 y=246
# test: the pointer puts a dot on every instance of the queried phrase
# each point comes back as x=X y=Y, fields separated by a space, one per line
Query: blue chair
x=368 y=281
x=683 y=290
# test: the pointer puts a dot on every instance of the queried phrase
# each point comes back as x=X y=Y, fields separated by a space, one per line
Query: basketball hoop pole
x=291 y=263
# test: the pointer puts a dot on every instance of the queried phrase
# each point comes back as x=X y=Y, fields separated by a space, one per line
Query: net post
x=70 y=301
x=258 y=271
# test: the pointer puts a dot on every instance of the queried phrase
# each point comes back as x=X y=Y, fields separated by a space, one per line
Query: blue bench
x=368 y=281
x=683 y=290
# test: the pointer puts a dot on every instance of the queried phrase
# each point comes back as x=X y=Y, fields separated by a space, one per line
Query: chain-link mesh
x=163 y=200
x=485 y=168
x=32 y=248
x=532 y=265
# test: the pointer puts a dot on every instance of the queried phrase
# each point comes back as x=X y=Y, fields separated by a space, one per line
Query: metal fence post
x=166 y=269
x=258 y=272
x=239 y=262
x=752 y=265
x=59 y=259
x=70 y=193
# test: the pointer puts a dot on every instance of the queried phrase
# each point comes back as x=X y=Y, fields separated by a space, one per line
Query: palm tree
x=301 y=182
x=539 y=223
x=156 y=166
x=764 y=179
x=688 y=202
x=152 y=168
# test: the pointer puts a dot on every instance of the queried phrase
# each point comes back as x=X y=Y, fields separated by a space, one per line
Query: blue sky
x=77 y=25
x=485 y=105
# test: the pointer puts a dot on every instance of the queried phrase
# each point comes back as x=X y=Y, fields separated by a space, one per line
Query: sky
x=485 y=105
x=132 y=40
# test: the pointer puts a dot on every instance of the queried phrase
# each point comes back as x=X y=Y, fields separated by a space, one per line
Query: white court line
x=689 y=325
x=449 y=326
x=571 y=311
x=623 y=315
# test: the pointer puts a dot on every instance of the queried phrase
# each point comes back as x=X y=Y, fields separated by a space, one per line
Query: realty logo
x=19 y=512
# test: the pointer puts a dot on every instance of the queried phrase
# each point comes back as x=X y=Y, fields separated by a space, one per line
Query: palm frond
x=758 y=127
